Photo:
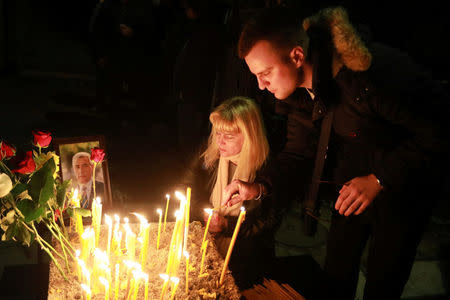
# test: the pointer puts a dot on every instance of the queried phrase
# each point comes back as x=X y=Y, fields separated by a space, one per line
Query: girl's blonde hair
x=239 y=114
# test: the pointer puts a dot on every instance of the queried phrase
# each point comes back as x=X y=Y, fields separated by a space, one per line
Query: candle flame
x=108 y=220
x=159 y=211
x=208 y=210
x=164 y=276
x=177 y=214
x=104 y=281
x=77 y=253
x=180 y=196
x=186 y=254
x=86 y=272
x=242 y=208
x=86 y=288
x=98 y=201
x=175 y=280
x=87 y=233
x=141 y=218
x=167 y=196
x=117 y=218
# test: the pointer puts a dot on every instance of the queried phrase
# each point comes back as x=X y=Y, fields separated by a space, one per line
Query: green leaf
x=18 y=189
x=82 y=212
x=42 y=183
x=11 y=231
x=30 y=210
x=61 y=193
x=24 y=235
x=70 y=212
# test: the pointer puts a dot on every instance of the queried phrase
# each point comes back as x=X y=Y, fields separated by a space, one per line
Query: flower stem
x=93 y=179
x=48 y=252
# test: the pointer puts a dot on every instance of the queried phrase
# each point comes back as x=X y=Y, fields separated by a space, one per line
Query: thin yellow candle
x=205 y=247
x=126 y=226
x=187 y=270
x=117 y=243
x=108 y=222
x=146 y=237
x=106 y=284
x=159 y=211
x=86 y=274
x=233 y=240
x=97 y=220
x=77 y=257
x=210 y=212
x=116 y=283
x=87 y=290
x=145 y=278
x=175 y=281
x=86 y=238
x=137 y=277
x=165 y=277
x=130 y=242
x=172 y=241
x=165 y=213
x=187 y=208
x=78 y=218
x=131 y=288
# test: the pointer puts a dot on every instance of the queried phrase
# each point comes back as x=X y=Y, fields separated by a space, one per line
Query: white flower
x=5 y=185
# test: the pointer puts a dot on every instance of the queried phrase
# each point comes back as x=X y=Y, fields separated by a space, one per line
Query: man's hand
x=357 y=194
x=238 y=191
x=217 y=224
x=126 y=30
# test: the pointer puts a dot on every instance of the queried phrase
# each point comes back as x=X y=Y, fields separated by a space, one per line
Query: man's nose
x=262 y=84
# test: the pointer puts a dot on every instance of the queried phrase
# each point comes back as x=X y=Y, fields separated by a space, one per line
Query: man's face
x=83 y=169
x=277 y=73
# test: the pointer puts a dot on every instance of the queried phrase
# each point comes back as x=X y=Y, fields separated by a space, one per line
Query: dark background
x=48 y=76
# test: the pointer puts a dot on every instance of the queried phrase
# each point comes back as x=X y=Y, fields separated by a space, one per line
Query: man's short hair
x=280 y=26
x=81 y=154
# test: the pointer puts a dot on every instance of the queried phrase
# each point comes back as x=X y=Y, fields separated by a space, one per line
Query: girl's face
x=229 y=143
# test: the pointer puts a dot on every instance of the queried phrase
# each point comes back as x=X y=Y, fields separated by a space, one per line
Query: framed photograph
x=75 y=164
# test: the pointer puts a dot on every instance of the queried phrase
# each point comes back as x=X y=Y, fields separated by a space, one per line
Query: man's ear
x=297 y=56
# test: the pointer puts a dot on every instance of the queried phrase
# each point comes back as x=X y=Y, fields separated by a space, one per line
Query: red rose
x=27 y=165
x=97 y=154
x=42 y=138
x=57 y=214
x=6 y=150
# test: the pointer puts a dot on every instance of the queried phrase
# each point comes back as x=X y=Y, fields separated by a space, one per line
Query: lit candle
x=87 y=290
x=210 y=212
x=86 y=243
x=77 y=257
x=204 y=246
x=165 y=213
x=78 y=218
x=187 y=270
x=186 y=223
x=130 y=241
x=106 y=284
x=175 y=281
x=118 y=242
x=136 y=277
x=145 y=240
x=116 y=283
x=145 y=278
x=172 y=241
x=86 y=274
x=233 y=240
x=159 y=211
x=108 y=221
x=97 y=219
x=165 y=277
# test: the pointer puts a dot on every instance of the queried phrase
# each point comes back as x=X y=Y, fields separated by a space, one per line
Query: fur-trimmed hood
x=348 y=48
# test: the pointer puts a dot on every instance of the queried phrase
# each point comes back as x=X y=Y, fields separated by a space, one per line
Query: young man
x=382 y=153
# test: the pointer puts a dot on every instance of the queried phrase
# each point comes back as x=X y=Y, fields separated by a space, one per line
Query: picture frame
x=67 y=147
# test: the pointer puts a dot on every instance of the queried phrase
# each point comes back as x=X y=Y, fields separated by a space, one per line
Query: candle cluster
x=121 y=269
